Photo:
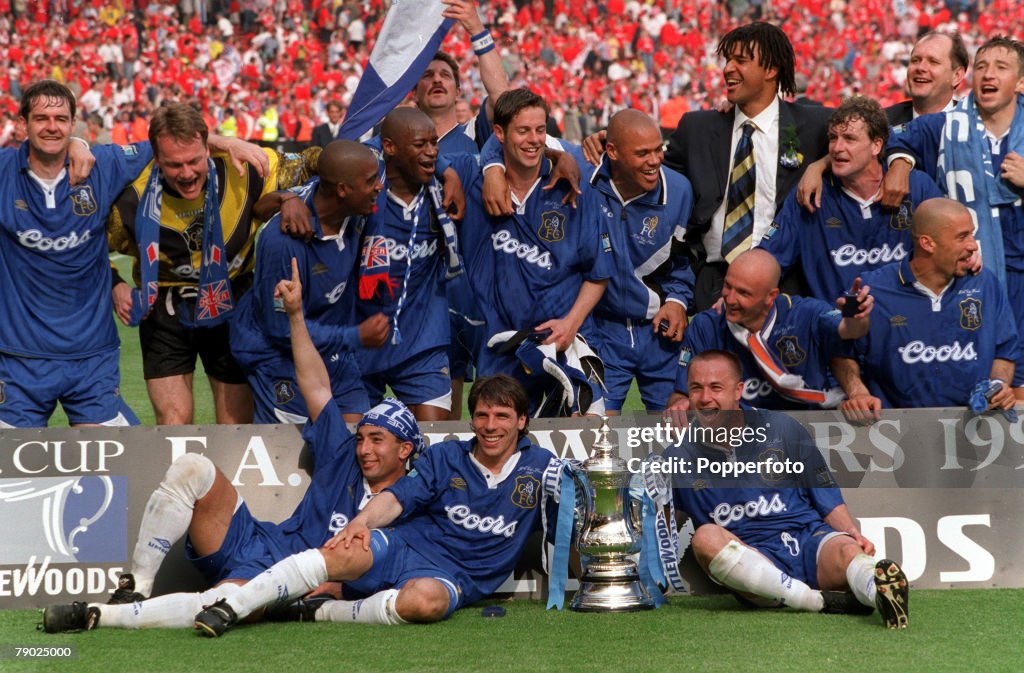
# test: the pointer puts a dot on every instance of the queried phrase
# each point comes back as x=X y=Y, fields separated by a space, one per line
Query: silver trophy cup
x=606 y=540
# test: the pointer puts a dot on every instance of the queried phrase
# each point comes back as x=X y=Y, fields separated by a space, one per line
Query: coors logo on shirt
x=503 y=241
x=33 y=238
x=849 y=254
x=918 y=351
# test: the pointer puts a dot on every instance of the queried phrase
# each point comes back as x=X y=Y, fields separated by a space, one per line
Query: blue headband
x=396 y=418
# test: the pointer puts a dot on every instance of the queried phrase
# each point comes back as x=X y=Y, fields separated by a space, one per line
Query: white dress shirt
x=766 y=161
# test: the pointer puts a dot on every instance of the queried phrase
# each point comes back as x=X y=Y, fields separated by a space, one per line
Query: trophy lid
x=604 y=457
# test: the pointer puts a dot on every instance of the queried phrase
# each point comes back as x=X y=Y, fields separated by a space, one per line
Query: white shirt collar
x=494 y=479
x=766 y=121
x=408 y=209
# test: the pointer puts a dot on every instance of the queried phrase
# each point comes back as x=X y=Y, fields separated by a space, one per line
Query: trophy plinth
x=607 y=539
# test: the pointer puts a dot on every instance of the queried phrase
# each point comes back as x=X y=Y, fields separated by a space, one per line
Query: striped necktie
x=739 y=210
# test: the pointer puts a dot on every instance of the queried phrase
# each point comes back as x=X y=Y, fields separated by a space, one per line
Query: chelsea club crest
x=552 y=226
x=525 y=493
x=82 y=200
x=283 y=392
x=790 y=353
x=970 y=314
x=900 y=220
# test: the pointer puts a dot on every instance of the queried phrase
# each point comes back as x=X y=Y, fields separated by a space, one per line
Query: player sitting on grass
x=463 y=514
x=225 y=541
x=768 y=536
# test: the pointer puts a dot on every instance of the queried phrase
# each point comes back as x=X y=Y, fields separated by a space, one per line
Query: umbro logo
x=160 y=544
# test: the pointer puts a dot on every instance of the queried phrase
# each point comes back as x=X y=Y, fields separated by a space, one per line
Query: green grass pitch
x=956 y=631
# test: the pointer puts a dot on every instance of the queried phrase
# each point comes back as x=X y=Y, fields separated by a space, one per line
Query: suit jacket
x=321 y=135
x=700 y=149
x=900 y=113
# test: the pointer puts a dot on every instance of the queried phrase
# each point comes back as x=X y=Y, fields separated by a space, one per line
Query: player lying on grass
x=774 y=538
x=225 y=541
x=462 y=517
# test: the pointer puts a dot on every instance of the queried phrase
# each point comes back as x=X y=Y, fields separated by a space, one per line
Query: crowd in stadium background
x=241 y=58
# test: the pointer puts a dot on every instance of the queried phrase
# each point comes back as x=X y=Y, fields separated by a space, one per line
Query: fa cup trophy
x=607 y=539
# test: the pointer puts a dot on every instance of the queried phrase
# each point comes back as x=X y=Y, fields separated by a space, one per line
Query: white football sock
x=286 y=580
x=171 y=611
x=744 y=570
x=860 y=575
x=377 y=609
x=168 y=515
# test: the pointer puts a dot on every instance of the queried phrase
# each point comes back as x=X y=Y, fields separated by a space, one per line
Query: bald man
x=345 y=191
x=938 y=330
x=784 y=342
x=642 y=315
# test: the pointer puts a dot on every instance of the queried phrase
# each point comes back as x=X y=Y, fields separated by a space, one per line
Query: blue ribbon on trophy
x=559 y=570
x=649 y=568
x=661 y=562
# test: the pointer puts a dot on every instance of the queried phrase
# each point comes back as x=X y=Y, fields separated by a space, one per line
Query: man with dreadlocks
x=744 y=162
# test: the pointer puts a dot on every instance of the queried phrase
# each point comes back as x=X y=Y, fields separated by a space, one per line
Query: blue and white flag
x=412 y=33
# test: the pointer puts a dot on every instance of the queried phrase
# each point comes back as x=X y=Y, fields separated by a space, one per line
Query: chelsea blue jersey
x=337 y=487
x=929 y=351
x=473 y=525
x=327 y=269
x=647 y=236
x=396 y=236
x=804 y=338
x=757 y=507
x=54 y=266
x=532 y=264
x=921 y=139
x=843 y=239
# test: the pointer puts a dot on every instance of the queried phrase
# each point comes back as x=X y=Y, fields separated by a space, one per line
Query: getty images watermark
x=665 y=434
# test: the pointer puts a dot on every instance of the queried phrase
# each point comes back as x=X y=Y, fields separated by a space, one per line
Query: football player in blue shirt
x=938 y=330
x=642 y=315
x=403 y=271
x=850 y=232
x=778 y=538
x=545 y=266
x=463 y=516
x=225 y=541
x=58 y=341
x=785 y=343
x=346 y=190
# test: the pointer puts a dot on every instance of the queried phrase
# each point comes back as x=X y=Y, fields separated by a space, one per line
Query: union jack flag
x=213 y=300
x=376 y=253
x=375 y=267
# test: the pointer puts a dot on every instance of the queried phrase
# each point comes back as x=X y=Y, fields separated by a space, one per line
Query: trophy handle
x=584 y=503
x=635 y=514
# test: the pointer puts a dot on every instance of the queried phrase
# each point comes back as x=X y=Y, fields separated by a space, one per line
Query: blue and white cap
x=396 y=418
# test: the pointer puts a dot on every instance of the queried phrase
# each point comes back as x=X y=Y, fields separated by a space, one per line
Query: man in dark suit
x=325 y=133
x=937 y=68
x=759 y=65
